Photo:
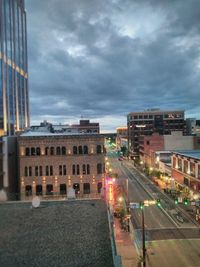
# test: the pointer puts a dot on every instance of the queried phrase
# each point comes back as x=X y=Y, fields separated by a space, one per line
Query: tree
x=124 y=150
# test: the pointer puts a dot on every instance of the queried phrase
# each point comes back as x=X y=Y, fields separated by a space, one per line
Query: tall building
x=14 y=98
x=193 y=126
x=149 y=122
x=121 y=138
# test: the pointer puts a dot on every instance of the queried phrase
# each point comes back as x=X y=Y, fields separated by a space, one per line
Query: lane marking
x=150 y=194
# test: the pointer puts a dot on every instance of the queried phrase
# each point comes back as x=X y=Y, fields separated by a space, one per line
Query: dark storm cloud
x=104 y=59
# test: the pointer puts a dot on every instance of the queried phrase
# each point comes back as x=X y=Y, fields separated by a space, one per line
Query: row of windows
x=36 y=151
x=186 y=167
x=63 y=189
x=49 y=171
x=149 y=116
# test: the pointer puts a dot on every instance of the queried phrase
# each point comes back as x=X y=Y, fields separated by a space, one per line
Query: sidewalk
x=125 y=246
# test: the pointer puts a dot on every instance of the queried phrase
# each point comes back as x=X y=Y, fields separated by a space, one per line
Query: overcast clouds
x=103 y=59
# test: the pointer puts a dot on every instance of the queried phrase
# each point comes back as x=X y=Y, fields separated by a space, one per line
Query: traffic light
x=186 y=201
x=141 y=205
x=158 y=203
x=176 y=201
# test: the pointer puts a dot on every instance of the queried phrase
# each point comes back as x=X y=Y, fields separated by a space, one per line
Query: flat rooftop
x=71 y=234
x=189 y=153
x=35 y=133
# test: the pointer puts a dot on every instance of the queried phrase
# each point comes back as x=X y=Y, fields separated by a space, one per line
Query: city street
x=168 y=241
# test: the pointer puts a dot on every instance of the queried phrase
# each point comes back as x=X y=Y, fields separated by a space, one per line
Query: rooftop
x=188 y=153
x=46 y=133
x=155 y=111
x=71 y=233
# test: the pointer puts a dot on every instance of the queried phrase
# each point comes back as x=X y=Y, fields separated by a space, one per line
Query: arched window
x=26 y=171
x=51 y=170
x=76 y=187
x=52 y=150
x=41 y=171
x=39 y=190
x=46 y=150
x=49 y=189
x=36 y=171
x=63 y=150
x=63 y=189
x=38 y=151
x=75 y=150
x=99 y=186
x=99 y=168
x=73 y=169
x=58 y=150
x=30 y=171
x=64 y=170
x=28 y=190
x=33 y=151
x=47 y=170
x=85 y=150
x=98 y=149
x=60 y=170
x=84 y=169
x=80 y=150
x=86 y=188
x=88 y=169
x=27 y=151
x=77 y=170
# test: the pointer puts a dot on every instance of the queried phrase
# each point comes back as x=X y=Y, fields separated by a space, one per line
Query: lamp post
x=143 y=240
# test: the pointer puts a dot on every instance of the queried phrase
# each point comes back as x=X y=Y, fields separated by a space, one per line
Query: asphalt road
x=169 y=242
x=154 y=216
x=140 y=189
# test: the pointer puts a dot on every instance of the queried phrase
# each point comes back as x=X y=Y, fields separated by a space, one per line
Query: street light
x=120 y=199
x=143 y=237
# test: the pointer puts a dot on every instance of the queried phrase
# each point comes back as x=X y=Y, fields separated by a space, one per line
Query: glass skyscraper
x=14 y=97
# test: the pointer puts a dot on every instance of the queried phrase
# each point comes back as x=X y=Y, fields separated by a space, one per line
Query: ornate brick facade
x=49 y=165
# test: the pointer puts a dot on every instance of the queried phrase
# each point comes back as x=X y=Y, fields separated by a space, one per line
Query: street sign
x=180 y=200
x=134 y=205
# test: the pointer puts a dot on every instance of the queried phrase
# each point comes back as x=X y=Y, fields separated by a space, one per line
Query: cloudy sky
x=101 y=59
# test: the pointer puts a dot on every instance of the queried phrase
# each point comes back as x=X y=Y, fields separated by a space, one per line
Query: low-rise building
x=186 y=171
x=84 y=126
x=51 y=163
x=150 y=145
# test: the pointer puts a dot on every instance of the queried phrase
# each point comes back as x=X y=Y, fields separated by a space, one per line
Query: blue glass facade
x=14 y=98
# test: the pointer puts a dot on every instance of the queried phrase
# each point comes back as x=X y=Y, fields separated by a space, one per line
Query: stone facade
x=49 y=165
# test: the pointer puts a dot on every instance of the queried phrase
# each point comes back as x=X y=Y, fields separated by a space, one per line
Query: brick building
x=186 y=170
x=50 y=163
x=150 y=144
